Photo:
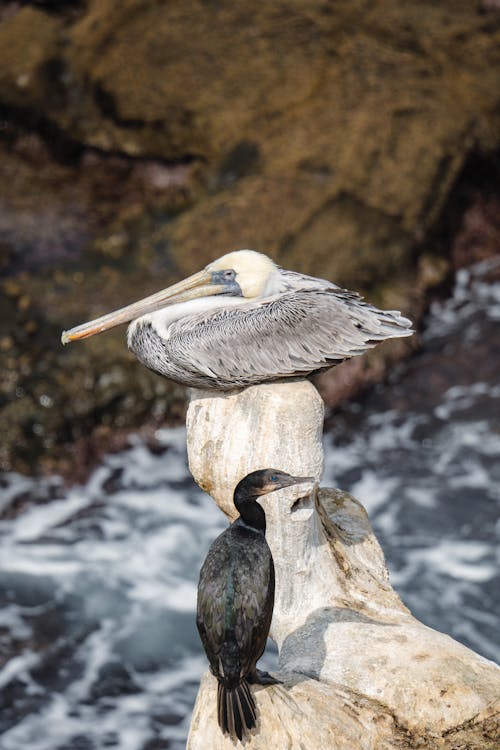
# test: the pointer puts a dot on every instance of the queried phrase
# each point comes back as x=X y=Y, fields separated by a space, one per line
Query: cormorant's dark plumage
x=235 y=602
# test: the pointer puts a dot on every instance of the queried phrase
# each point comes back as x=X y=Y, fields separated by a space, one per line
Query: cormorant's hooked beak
x=302 y=480
x=287 y=481
x=200 y=284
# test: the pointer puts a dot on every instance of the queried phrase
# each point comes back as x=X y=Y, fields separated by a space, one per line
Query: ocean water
x=98 y=645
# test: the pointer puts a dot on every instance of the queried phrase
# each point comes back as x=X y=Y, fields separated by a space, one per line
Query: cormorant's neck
x=250 y=511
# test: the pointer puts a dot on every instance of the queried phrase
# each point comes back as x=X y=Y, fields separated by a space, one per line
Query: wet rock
x=59 y=666
x=78 y=742
x=28 y=40
x=476 y=222
x=113 y=679
x=157 y=743
x=17 y=699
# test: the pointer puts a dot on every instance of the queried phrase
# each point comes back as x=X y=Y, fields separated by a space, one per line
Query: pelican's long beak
x=198 y=285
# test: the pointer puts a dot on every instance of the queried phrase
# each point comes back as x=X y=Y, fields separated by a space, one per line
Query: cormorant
x=236 y=599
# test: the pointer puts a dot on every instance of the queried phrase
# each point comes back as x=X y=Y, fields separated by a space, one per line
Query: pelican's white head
x=240 y=275
x=252 y=270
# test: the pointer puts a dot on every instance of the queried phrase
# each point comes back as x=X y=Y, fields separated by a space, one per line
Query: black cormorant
x=235 y=602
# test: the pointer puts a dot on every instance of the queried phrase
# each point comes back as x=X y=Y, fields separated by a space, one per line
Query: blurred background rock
x=354 y=140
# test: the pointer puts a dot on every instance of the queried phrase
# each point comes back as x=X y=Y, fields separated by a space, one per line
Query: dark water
x=98 y=583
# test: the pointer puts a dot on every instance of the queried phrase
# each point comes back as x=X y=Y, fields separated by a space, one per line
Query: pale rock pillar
x=359 y=670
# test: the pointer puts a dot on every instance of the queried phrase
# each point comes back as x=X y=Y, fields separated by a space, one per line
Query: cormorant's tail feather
x=236 y=710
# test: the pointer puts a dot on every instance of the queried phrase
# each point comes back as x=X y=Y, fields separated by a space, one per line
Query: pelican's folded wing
x=291 y=333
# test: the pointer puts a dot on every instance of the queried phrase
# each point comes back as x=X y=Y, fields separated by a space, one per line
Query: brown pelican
x=243 y=320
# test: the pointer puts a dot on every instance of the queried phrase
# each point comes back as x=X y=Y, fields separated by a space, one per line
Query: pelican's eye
x=226 y=280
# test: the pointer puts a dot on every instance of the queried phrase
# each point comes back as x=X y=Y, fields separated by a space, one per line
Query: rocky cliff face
x=141 y=139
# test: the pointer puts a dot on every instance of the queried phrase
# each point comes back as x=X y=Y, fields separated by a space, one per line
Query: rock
x=218 y=463
x=359 y=671
x=139 y=140
x=28 y=42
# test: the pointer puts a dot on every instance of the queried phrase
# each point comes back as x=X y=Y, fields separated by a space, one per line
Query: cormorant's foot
x=259 y=677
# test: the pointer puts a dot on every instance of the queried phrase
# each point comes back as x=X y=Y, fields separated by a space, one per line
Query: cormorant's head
x=264 y=481
x=256 y=484
x=243 y=273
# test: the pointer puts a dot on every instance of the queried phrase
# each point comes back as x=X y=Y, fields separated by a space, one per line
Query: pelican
x=244 y=320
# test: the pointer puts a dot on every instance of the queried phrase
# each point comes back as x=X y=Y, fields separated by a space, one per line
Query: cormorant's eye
x=229 y=275
x=274 y=478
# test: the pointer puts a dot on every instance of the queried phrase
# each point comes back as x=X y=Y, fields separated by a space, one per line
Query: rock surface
x=139 y=140
x=358 y=670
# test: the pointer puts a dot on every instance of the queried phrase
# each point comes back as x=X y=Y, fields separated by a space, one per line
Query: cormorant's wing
x=235 y=600
x=212 y=596
x=288 y=333
x=253 y=605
